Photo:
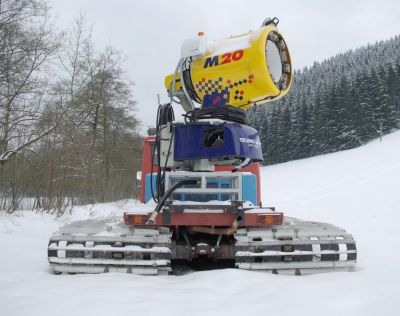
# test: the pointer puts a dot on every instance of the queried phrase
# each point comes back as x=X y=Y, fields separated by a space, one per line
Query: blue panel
x=147 y=191
x=240 y=141
x=225 y=184
x=249 y=188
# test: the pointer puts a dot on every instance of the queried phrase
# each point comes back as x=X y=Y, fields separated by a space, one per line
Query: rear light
x=136 y=219
x=270 y=219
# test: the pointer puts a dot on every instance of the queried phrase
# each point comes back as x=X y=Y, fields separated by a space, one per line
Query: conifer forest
x=338 y=104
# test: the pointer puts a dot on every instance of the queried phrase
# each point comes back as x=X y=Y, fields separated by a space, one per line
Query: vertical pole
x=380 y=130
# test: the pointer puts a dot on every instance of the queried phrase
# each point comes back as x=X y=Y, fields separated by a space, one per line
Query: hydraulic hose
x=167 y=194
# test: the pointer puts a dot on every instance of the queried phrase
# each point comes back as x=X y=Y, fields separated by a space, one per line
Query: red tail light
x=270 y=219
x=135 y=219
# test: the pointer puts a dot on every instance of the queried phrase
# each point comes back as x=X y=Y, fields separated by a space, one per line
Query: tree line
x=340 y=103
x=68 y=130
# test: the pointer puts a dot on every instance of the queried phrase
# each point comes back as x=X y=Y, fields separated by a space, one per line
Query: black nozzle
x=268 y=21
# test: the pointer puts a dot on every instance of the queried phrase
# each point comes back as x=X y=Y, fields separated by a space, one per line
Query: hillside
x=340 y=103
x=355 y=189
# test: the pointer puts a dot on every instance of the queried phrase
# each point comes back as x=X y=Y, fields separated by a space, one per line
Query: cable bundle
x=225 y=113
x=165 y=114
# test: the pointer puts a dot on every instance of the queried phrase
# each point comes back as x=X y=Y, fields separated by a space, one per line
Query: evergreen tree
x=334 y=105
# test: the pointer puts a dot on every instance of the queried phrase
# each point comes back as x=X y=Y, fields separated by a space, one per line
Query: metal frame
x=203 y=177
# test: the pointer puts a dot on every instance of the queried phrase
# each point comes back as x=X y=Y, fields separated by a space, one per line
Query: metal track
x=97 y=246
x=297 y=247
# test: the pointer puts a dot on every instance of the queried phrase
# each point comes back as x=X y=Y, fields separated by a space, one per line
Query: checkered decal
x=217 y=92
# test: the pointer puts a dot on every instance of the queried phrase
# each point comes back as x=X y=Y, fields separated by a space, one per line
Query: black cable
x=170 y=191
x=160 y=204
x=165 y=115
x=225 y=113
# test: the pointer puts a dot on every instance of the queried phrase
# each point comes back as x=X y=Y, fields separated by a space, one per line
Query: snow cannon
x=241 y=71
x=204 y=177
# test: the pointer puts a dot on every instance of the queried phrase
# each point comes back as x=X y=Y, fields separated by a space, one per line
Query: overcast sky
x=150 y=33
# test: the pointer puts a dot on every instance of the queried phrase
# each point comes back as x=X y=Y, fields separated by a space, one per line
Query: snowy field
x=357 y=189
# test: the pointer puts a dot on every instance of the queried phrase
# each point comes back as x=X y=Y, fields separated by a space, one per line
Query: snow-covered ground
x=357 y=189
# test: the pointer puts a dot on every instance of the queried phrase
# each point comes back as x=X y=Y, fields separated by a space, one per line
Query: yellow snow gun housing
x=240 y=71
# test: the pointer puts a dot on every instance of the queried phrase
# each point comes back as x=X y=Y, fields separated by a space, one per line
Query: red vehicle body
x=254 y=168
x=179 y=218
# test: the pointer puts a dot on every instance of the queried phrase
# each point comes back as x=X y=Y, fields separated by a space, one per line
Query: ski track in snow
x=355 y=189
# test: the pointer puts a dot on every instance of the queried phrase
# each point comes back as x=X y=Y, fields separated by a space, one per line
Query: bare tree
x=27 y=45
x=67 y=115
